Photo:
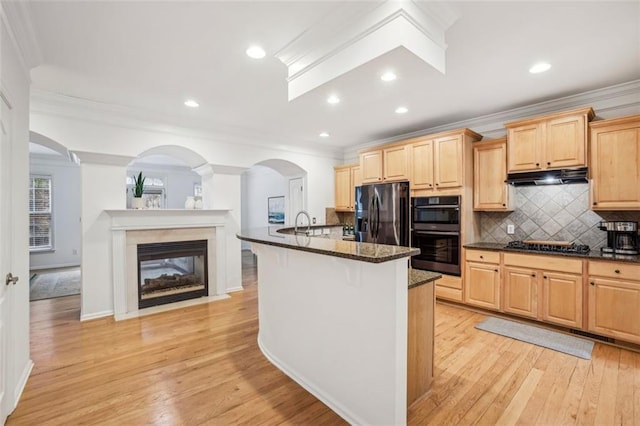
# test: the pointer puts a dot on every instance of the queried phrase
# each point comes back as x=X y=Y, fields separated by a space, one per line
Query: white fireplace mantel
x=172 y=220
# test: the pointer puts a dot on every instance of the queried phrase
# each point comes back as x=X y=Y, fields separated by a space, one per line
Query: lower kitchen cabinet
x=482 y=279
x=520 y=290
x=562 y=299
x=544 y=288
x=614 y=300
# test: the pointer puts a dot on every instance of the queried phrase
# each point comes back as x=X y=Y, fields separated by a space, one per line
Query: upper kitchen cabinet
x=347 y=177
x=553 y=141
x=490 y=190
x=615 y=164
x=385 y=164
x=438 y=162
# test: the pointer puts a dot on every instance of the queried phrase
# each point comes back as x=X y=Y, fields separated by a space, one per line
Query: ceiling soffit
x=355 y=33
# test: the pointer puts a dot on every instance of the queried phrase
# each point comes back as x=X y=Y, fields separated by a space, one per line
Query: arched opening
x=273 y=184
x=172 y=174
x=55 y=235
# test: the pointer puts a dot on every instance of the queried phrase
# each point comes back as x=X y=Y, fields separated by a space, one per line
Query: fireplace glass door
x=170 y=272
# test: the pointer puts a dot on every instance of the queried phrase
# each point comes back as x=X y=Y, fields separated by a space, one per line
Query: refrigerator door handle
x=377 y=216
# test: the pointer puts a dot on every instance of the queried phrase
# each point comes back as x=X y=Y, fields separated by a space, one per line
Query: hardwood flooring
x=201 y=365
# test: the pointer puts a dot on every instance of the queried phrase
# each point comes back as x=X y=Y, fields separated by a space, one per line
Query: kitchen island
x=335 y=316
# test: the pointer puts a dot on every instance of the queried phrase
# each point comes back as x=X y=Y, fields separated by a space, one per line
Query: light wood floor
x=201 y=365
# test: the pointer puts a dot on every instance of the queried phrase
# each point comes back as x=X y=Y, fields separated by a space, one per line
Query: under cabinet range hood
x=549 y=177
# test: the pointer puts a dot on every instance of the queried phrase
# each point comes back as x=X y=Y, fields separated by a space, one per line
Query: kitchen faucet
x=295 y=228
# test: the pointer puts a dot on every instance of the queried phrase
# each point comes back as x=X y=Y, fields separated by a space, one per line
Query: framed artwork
x=275 y=209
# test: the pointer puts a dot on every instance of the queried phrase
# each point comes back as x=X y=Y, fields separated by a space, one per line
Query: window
x=40 y=232
x=154 y=192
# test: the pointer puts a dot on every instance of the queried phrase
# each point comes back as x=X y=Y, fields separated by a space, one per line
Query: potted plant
x=138 y=189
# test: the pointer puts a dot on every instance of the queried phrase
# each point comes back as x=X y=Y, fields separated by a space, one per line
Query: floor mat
x=538 y=336
x=54 y=283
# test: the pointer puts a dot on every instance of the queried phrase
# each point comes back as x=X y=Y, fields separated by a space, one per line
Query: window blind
x=40 y=232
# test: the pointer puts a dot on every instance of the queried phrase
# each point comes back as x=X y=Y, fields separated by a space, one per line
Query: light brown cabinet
x=346 y=178
x=615 y=164
x=482 y=279
x=420 y=341
x=437 y=162
x=614 y=300
x=550 y=142
x=387 y=164
x=490 y=190
x=543 y=287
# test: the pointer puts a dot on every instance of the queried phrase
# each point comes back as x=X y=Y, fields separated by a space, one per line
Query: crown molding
x=354 y=34
x=608 y=102
x=54 y=104
x=17 y=16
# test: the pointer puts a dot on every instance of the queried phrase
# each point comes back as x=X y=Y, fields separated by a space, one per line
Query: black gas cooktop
x=549 y=246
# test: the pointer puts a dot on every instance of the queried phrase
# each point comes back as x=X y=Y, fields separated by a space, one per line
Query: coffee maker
x=622 y=237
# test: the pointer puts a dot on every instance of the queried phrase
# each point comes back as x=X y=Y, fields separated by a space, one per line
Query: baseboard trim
x=22 y=383
x=234 y=289
x=96 y=315
x=57 y=266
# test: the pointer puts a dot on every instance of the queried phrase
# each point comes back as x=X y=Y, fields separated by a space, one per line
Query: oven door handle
x=436 y=232
x=444 y=206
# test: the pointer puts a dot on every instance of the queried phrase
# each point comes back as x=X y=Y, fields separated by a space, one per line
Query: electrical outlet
x=313 y=220
x=74 y=252
x=511 y=229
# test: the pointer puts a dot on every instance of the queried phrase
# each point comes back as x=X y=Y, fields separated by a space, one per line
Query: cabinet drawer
x=625 y=271
x=482 y=256
x=450 y=282
x=545 y=263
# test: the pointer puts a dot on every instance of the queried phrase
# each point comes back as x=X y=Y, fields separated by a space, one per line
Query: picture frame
x=275 y=210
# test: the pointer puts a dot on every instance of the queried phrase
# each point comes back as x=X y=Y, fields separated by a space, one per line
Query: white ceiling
x=152 y=56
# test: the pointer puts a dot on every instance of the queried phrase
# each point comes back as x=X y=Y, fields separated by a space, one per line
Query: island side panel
x=338 y=327
x=420 y=345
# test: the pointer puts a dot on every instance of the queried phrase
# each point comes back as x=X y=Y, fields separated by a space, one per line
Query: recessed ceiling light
x=388 y=76
x=333 y=99
x=256 y=52
x=191 y=103
x=402 y=110
x=324 y=135
x=539 y=67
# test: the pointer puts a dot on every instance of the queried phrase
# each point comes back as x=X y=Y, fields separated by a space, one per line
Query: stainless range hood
x=548 y=177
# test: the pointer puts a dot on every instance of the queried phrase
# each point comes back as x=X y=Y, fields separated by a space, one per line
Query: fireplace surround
x=130 y=228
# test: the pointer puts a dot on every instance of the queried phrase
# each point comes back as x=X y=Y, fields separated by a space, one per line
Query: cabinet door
x=565 y=142
x=371 y=166
x=356 y=179
x=520 y=288
x=613 y=308
x=562 y=299
x=524 y=148
x=482 y=285
x=422 y=165
x=448 y=162
x=343 y=189
x=396 y=163
x=489 y=175
x=615 y=168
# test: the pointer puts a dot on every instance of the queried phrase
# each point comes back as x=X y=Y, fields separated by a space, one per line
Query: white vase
x=190 y=203
x=199 y=203
x=137 y=203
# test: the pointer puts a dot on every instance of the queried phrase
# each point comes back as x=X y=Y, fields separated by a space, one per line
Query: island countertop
x=366 y=252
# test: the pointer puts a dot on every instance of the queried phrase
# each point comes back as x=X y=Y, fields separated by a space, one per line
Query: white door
x=5 y=250
x=296 y=199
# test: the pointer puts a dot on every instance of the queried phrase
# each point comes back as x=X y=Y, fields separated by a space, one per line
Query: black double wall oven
x=435 y=230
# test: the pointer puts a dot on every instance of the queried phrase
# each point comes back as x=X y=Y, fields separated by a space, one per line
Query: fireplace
x=171 y=271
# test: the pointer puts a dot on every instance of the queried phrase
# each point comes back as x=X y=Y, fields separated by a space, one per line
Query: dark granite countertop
x=419 y=277
x=592 y=255
x=366 y=252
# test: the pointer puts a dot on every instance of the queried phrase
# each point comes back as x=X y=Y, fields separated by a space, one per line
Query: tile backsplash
x=551 y=212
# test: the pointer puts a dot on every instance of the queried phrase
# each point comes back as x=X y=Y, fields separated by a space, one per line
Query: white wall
x=65 y=177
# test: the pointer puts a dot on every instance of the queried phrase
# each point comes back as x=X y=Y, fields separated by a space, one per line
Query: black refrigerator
x=382 y=213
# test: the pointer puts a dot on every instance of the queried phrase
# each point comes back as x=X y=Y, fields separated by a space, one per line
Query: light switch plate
x=511 y=229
